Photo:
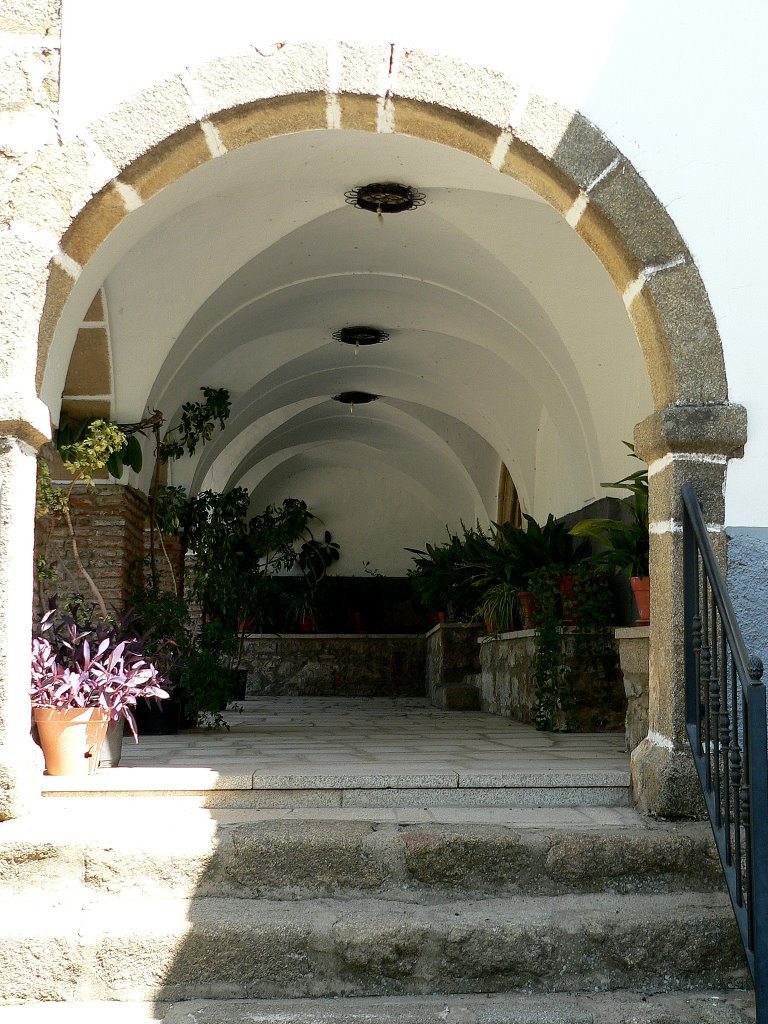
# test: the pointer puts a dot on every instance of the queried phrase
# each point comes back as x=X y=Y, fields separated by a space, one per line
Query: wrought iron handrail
x=726 y=724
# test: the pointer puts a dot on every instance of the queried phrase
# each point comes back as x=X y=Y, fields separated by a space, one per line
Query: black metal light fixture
x=353 y=398
x=385 y=197
x=358 y=336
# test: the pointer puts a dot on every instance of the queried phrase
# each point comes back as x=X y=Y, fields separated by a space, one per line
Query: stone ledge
x=23 y=416
x=734 y=1006
x=709 y=429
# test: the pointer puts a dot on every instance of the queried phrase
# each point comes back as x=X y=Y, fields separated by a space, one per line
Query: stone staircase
x=157 y=909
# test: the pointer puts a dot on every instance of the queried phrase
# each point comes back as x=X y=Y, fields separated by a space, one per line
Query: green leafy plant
x=516 y=554
x=627 y=542
x=552 y=698
x=197 y=424
x=315 y=558
x=88 y=446
x=196 y=427
x=442 y=576
x=535 y=547
x=196 y=654
x=574 y=644
x=100 y=443
x=500 y=607
x=237 y=557
x=87 y=453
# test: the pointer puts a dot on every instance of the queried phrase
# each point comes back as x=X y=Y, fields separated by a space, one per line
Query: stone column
x=680 y=444
x=29 y=71
x=24 y=426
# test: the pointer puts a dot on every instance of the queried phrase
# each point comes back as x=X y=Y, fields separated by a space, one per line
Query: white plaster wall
x=376 y=531
x=680 y=88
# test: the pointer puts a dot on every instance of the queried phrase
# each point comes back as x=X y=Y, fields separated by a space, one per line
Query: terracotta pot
x=489 y=625
x=641 y=588
x=308 y=624
x=71 y=738
x=358 y=622
x=529 y=609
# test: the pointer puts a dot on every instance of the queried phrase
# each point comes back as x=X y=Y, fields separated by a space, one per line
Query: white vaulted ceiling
x=508 y=340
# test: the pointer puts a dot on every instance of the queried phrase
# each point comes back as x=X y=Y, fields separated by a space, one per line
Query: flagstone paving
x=317 y=751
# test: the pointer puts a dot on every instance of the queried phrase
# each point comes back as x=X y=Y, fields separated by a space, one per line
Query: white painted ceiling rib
x=507 y=339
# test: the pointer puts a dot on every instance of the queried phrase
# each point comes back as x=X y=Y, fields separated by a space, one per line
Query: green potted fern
x=517 y=554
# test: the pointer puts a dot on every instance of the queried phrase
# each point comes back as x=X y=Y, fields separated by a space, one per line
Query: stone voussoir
x=363 y=68
x=240 y=79
x=641 y=220
x=147 y=119
x=480 y=93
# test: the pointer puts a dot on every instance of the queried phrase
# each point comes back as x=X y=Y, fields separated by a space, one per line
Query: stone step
x=359 y=788
x=708 y=1007
x=130 y=948
x=163 y=849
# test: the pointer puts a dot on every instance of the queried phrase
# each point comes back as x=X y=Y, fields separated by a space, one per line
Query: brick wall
x=170 y=563
x=109 y=527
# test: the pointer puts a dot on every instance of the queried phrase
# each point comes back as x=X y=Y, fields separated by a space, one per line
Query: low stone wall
x=499 y=678
x=633 y=659
x=506 y=682
x=453 y=659
x=335 y=665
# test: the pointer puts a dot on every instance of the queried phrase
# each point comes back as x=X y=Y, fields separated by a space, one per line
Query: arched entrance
x=159 y=152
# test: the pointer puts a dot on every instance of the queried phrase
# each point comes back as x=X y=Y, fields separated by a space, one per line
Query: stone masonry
x=343 y=666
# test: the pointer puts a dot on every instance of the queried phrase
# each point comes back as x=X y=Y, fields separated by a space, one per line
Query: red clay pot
x=641 y=588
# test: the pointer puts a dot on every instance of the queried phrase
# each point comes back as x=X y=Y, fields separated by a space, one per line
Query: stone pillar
x=29 y=63
x=680 y=444
x=22 y=431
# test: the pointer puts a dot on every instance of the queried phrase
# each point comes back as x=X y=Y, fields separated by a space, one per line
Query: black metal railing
x=726 y=722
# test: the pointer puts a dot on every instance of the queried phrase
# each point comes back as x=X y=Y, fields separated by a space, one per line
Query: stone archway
x=72 y=197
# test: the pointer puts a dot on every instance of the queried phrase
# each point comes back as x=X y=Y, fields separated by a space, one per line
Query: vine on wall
x=575 y=647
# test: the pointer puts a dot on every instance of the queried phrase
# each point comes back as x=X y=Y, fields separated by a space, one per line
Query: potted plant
x=83 y=677
x=517 y=554
x=315 y=558
x=626 y=540
x=443 y=575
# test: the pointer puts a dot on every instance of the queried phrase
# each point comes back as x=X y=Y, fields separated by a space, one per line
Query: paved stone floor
x=365 y=749
x=407 y=735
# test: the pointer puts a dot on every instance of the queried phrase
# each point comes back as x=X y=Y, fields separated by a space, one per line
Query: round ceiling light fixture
x=355 y=397
x=358 y=336
x=385 y=197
